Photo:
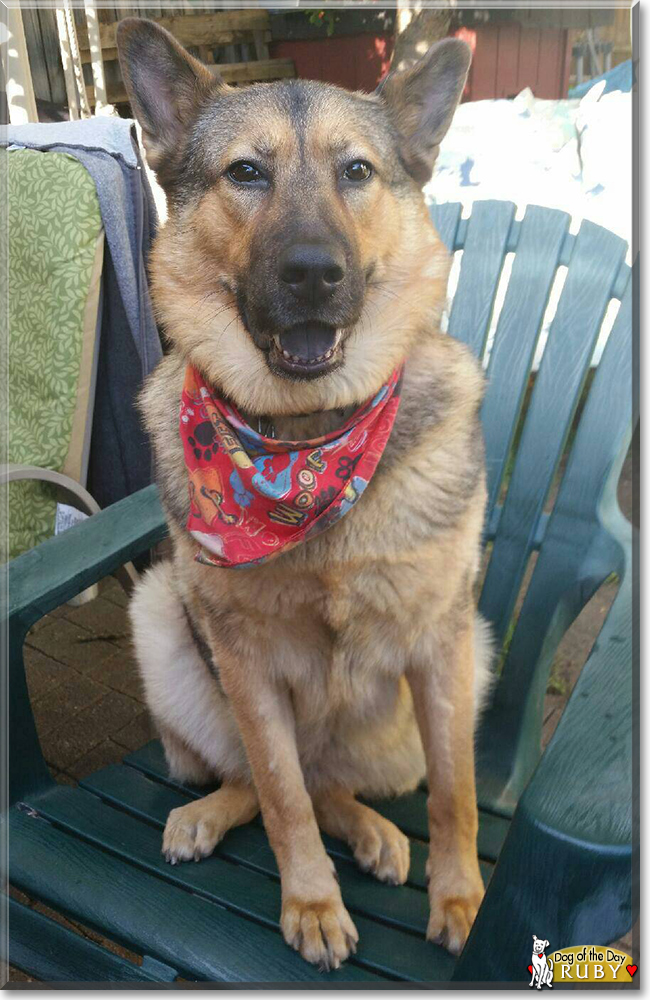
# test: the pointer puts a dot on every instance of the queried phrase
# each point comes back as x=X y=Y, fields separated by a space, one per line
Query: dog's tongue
x=309 y=341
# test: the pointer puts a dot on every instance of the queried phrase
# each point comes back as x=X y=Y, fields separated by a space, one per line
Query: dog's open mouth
x=307 y=350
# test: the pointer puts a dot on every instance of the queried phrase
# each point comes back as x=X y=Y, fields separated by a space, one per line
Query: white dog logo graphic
x=542 y=971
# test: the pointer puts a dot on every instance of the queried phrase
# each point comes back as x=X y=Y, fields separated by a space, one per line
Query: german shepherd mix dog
x=300 y=284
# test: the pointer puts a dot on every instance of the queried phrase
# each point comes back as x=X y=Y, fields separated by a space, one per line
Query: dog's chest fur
x=342 y=613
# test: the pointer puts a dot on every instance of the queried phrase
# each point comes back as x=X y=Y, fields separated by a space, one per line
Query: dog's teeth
x=312 y=361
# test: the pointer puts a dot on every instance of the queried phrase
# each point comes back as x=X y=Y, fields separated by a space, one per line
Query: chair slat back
x=446 y=219
x=595 y=262
x=484 y=242
x=520 y=323
x=577 y=543
x=586 y=538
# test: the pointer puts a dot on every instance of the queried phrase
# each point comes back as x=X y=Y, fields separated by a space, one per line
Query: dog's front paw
x=192 y=832
x=322 y=931
x=382 y=849
x=454 y=904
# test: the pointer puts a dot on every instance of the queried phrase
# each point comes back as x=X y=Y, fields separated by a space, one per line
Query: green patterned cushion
x=55 y=242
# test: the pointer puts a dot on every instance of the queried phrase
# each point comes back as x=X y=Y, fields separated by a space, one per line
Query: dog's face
x=538 y=945
x=298 y=262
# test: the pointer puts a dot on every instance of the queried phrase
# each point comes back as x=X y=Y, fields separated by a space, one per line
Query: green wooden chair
x=555 y=833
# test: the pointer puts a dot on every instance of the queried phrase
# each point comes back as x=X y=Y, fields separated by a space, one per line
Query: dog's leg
x=193 y=831
x=314 y=920
x=378 y=845
x=443 y=696
x=183 y=763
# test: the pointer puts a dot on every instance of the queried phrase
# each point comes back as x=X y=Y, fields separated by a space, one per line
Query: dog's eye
x=358 y=170
x=245 y=173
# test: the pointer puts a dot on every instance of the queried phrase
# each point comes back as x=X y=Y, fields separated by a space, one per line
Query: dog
x=297 y=270
x=542 y=972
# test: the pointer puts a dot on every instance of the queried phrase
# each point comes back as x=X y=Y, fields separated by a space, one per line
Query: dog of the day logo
x=541 y=970
x=582 y=963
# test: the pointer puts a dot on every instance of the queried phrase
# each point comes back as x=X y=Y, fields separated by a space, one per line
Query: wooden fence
x=235 y=41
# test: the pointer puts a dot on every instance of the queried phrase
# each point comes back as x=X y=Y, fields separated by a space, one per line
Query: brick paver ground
x=87 y=703
x=86 y=693
x=84 y=685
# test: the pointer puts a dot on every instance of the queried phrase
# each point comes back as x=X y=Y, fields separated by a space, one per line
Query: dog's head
x=538 y=945
x=298 y=262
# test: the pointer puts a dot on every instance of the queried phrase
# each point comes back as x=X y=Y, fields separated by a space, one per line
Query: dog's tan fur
x=319 y=653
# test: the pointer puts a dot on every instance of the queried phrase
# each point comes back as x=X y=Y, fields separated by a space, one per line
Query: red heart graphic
x=632 y=969
x=530 y=969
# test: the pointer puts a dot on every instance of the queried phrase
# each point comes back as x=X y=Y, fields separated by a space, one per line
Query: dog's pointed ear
x=165 y=84
x=422 y=100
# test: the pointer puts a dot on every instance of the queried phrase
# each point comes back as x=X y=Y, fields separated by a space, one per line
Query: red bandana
x=252 y=497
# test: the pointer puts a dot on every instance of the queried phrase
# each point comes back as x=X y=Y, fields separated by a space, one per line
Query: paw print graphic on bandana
x=241 y=495
x=203 y=441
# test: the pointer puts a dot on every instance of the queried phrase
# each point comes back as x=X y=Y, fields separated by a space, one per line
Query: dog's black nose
x=311 y=271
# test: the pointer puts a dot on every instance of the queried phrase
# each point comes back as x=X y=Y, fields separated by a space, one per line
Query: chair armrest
x=71 y=492
x=49 y=575
x=565 y=870
x=61 y=567
x=582 y=787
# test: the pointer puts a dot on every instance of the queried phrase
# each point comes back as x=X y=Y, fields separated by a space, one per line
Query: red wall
x=506 y=58
x=357 y=62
